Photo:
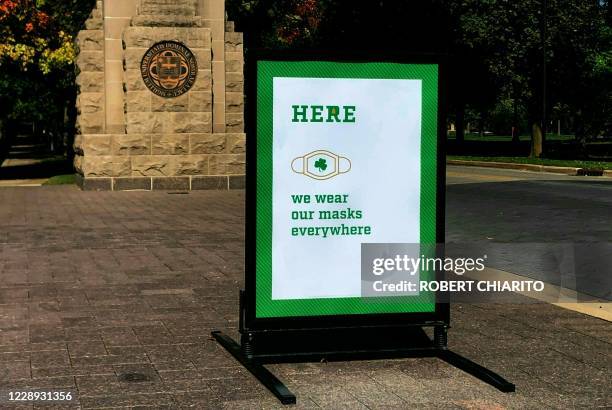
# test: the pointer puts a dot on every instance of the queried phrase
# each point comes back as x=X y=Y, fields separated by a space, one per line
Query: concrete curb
x=522 y=167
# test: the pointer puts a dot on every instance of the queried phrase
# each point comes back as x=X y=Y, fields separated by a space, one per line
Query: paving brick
x=100 y=284
x=128 y=400
x=77 y=349
x=51 y=358
x=14 y=371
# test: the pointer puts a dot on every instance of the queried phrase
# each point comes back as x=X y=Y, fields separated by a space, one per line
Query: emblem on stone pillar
x=169 y=69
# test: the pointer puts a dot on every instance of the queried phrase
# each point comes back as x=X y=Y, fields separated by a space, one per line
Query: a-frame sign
x=345 y=177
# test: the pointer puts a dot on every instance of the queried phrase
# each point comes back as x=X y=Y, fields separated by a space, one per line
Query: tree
x=506 y=37
x=541 y=54
x=581 y=65
x=277 y=23
x=37 y=56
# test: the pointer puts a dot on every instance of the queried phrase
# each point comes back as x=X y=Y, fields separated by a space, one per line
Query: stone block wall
x=234 y=80
x=90 y=75
x=149 y=113
x=141 y=161
x=165 y=143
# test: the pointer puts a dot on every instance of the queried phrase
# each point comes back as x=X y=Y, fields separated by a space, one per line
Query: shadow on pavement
x=556 y=231
x=46 y=168
x=31 y=159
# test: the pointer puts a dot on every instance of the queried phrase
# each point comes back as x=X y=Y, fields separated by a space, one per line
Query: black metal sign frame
x=338 y=337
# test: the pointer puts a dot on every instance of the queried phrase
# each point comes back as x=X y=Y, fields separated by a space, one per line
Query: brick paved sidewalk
x=113 y=295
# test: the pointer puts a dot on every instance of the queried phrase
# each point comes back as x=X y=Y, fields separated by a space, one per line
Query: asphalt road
x=550 y=227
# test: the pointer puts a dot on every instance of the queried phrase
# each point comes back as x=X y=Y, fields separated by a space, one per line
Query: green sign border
x=266 y=307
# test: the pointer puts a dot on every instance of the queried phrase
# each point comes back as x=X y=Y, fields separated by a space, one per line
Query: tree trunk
x=460 y=124
x=515 y=128
x=580 y=136
x=7 y=137
x=536 y=140
x=2 y=139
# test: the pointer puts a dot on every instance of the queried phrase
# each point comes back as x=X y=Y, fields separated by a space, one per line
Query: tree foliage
x=37 y=55
x=512 y=41
x=581 y=64
x=277 y=23
x=497 y=48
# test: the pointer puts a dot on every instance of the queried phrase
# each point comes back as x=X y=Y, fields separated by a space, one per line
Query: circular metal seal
x=169 y=69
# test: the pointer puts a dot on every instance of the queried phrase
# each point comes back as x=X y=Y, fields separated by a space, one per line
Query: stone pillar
x=153 y=136
x=90 y=76
x=234 y=80
x=213 y=15
x=117 y=16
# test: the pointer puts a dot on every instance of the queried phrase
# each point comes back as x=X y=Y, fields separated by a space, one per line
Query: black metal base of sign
x=256 y=367
x=259 y=348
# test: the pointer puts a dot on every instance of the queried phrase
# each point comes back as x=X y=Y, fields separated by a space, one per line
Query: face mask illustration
x=321 y=164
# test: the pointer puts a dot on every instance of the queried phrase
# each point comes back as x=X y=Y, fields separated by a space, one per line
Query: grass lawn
x=67 y=179
x=539 y=161
x=527 y=137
